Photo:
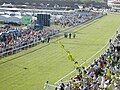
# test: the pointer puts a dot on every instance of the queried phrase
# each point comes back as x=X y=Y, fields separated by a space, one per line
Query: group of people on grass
x=69 y=35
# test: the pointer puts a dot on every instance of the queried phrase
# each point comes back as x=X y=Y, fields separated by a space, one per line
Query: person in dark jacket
x=70 y=35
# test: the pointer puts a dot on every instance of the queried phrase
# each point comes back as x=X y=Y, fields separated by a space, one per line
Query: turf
x=29 y=71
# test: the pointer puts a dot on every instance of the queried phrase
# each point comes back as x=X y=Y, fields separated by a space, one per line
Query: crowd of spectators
x=102 y=74
x=9 y=41
x=76 y=19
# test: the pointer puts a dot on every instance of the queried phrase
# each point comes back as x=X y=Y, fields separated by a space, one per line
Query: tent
x=15 y=19
x=26 y=20
x=4 y=18
x=16 y=32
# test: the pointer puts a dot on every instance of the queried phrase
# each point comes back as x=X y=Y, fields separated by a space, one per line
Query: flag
x=69 y=56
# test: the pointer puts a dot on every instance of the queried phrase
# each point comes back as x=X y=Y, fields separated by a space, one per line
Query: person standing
x=62 y=86
x=65 y=35
x=74 y=35
x=48 y=39
x=42 y=39
x=67 y=87
x=46 y=86
x=70 y=35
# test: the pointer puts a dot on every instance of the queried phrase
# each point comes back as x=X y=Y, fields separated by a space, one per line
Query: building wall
x=114 y=4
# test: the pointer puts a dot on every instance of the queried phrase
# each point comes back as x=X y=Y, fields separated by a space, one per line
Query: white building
x=114 y=4
x=4 y=18
x=7 y=5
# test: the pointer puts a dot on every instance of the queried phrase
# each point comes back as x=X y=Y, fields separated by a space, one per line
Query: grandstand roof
x=15 y=19
x=116 y=2
x=7 y=5
x=7 y=18
x=35 y=10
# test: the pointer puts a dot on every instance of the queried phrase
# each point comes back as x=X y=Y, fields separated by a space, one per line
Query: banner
x=26 y=20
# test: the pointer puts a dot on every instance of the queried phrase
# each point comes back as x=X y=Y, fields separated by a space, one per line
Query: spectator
x=74 y=35
x=70 y=35
x=65 y=35
x=48 y=39
x=46 y=86
x=67 y=87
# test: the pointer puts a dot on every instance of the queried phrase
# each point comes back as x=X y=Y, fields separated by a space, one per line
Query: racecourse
x=29 y=69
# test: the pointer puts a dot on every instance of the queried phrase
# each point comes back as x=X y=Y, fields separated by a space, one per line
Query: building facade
x=114 y=4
